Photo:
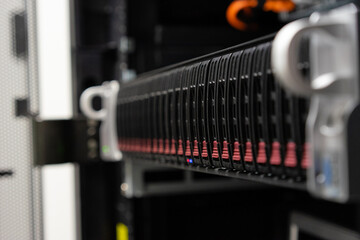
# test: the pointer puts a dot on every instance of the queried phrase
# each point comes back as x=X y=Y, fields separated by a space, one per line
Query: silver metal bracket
x=108 y=92
x=333 y=90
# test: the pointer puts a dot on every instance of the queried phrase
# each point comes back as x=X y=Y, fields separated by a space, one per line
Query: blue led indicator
x=190 y=161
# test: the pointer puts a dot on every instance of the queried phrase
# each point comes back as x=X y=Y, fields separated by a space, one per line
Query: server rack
x=271 y=143
x=130 y=199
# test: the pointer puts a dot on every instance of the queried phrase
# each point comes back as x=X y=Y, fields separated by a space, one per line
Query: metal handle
x=285 y=57
x=86 y=103
x=333 y=89
x=108 y=92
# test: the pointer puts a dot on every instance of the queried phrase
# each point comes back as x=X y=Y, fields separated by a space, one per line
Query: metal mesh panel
x=17 y=192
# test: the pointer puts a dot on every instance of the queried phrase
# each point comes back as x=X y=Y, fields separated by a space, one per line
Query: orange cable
x=233 y=10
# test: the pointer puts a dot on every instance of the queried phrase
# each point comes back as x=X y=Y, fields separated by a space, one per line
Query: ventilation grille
x=20 y=188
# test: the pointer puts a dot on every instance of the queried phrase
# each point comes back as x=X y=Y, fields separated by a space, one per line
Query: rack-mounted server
x=277 y=109
x=223 y=111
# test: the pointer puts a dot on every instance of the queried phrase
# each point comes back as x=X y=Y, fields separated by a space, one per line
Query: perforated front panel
x=19 y=192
